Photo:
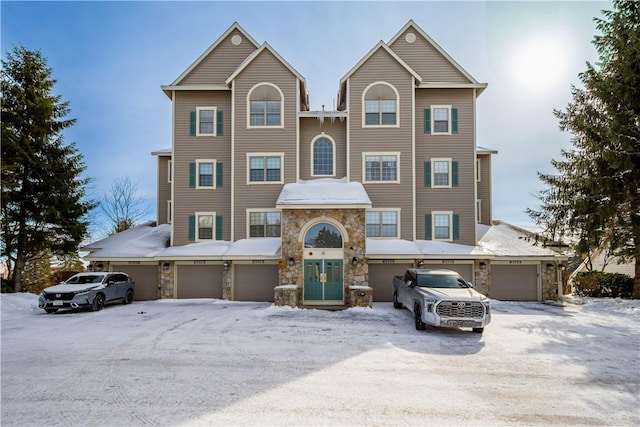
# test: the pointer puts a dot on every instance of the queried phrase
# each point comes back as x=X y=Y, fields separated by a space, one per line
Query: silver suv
x=90 y=290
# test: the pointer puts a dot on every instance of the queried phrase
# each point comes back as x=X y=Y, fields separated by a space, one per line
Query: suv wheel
x=417 y=316
x=396 y=304
x=98 y=302
x=128 y=297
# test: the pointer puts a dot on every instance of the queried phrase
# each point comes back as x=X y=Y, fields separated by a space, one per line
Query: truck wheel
x=478 y=330
x=396 y=304
x=98 y=302
x=417 y=316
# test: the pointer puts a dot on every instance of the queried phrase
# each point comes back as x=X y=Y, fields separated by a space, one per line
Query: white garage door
x=381 y=279
x=145 y=277
x=255 y=282
x=514 y=282
x=465 y=270
x=199 y=281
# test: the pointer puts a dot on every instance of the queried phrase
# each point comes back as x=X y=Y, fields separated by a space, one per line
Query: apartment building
x=260 y=198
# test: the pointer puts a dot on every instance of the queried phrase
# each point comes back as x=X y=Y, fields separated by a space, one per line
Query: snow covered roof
x=262 y=246
x=142 y=241
x=162 y=152
x=485 y=150
x=211 y=249
x=324 y=192
x=392 y=248
x=504 y=240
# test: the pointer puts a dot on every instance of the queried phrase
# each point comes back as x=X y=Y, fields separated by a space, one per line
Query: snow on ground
x=215 y=362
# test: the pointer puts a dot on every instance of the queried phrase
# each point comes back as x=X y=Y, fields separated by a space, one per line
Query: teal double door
x=323 y=280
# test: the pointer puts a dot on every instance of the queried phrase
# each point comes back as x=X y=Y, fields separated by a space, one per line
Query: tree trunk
x=17 y=273
x=636 y=280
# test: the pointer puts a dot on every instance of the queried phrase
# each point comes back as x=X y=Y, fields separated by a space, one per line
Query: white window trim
x=254 y=210
x=313 y=141
x=433 y=225
x=206 y=187
x=478 y=170
x=169 y=171
x=433 y=171
x=215 y=118
x=433 y=122
x=169 y=211
x=364 y=94
x=249 y=125
x=249 y=155
x=213 y=226
x=398 y=232
x=380 y=153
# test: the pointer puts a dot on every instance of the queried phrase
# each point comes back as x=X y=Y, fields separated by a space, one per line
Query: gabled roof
x=254 y=55
x=215 y=44
x=412 y=24
x=381 y=45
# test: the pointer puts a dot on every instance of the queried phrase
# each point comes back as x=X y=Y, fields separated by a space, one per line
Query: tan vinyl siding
x=264 y=68
x=310 y=128
x=425 y=59
x=164 y=189
x=459 y=147
x=189 y=148
x=382 y=67
x=221 y=62
x=484 y=189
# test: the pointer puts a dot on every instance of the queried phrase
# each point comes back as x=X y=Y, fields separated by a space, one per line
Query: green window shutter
x=218 y=174
x=427 y=227
x=219 y=123
x=192 y=228
x=427 y=120
x=454 y=120
x=454 y=173
x=456 y=227
x=218 y=227
x=192 y=175
x=427 y=174
x=192 y=123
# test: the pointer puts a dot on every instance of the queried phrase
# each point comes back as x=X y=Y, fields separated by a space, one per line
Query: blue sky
x=110 y=59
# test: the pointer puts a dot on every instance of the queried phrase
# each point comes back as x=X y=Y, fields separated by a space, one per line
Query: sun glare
x=539 y=63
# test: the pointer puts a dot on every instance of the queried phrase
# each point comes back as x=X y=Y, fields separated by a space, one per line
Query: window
x=380 y=105
x=381 y=167
x=264 y=224
x=169 y=211
x=204 y=224
x=201 y=174
x=323 y=157
x=206 y=121
x=265 y=168
x=382 y=223
x=440 y=120
x=205 y=174
x=265 y=106
x=442 y=226
x=441 y=173
x=478 y=170
x=169 y=171
x=479 y=210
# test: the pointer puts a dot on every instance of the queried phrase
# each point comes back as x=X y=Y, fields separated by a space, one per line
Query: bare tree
x=121 y=207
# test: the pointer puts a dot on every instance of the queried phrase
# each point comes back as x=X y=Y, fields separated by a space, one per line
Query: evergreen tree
x=43 y=206
x=596 y=195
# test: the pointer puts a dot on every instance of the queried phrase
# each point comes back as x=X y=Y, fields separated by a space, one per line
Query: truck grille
x=64 y=296
x=460 y=309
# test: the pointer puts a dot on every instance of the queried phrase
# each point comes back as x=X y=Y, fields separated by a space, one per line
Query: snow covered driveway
x=213 y=362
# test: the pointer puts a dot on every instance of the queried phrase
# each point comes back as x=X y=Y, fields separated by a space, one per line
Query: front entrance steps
x=359 y=296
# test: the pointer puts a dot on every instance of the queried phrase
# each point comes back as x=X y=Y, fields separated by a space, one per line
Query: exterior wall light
x=354 y=261
x=421 y=264
x=292 y=262
x=166 y=267
x=483 y=265
x=225 y=265
x=549 y=266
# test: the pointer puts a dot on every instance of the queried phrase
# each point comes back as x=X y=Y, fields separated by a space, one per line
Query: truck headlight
x=428 y=305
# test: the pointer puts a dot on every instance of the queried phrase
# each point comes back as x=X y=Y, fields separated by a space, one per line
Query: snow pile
x=324 y=191
x=260 y=246
x=144 y=240
x=213 y=248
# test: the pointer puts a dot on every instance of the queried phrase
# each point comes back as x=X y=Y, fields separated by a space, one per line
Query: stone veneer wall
x=166 y=280
x=294 y=220
x=482 y=281
x=549 y=281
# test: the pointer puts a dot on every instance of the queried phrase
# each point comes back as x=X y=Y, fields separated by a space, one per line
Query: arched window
x=323 y=235
x=323 y=157
x=265 y=106
x=380 y=105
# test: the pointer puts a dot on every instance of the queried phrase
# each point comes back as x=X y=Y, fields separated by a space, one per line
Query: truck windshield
x=441 y=281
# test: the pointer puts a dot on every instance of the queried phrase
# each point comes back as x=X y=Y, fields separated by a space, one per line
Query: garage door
x=255 y=282
x=464 y=270
x=199 y=281
x=514 y=282
x=146 y=278
x=381 y=279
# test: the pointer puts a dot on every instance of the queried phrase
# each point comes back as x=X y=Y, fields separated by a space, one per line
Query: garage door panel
x=381 y=279
x=514 y=282
x=255 y=282
x=145 y=277
x=465 y=270
x=199 y=281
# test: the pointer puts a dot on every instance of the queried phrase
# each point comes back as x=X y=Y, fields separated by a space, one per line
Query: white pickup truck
x=441 y=298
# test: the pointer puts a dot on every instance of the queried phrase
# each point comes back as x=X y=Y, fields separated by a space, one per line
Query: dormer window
x=265 y=106
x=380 y=105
